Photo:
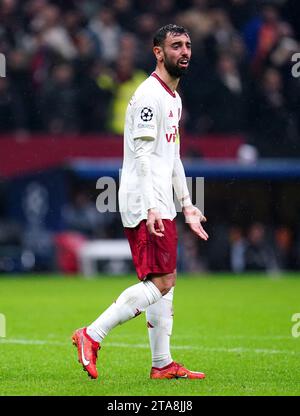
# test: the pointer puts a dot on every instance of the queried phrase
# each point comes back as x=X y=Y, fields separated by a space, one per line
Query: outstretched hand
x=194 y=217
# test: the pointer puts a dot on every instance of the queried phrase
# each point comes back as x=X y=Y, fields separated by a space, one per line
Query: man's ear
x=158 y=52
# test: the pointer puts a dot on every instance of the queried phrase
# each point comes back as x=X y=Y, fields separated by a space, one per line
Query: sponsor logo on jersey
x=146 y=126
x=171 y=137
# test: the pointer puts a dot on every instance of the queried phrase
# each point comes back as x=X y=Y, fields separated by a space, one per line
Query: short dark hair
x=161 y=34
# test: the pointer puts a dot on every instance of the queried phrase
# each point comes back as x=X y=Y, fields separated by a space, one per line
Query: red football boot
x=174 y=370
x=87 y=350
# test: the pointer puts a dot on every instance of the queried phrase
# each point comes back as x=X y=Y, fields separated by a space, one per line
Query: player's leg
x=159 y=317
x=131 y=302
x=134 y=299
x=160 y=314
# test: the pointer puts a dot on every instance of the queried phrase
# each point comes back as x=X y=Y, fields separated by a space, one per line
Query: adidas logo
x=171 y=114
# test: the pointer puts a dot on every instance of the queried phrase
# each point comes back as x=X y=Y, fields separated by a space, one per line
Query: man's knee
x=168 y=282
x=164 y=282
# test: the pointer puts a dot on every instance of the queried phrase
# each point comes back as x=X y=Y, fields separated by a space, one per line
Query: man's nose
x=185 y=51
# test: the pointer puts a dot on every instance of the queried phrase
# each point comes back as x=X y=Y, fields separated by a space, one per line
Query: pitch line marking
x=252 y=337
x=239 y=350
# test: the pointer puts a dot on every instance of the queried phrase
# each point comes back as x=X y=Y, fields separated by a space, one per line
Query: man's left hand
x=194 y=217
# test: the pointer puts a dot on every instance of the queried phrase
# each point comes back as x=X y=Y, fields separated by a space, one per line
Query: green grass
x=236 y=329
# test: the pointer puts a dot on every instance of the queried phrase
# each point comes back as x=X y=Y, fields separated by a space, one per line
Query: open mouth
x=184 y=63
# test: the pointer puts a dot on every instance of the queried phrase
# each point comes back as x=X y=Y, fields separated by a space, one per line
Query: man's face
x=177 y=53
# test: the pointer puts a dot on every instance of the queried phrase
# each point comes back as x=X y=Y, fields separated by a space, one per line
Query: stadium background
x=71 y=67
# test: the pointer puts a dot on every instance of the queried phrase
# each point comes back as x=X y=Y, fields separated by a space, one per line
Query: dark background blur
x=72 y=66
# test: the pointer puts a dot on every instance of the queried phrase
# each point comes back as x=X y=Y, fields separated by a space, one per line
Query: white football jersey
x=153 y=111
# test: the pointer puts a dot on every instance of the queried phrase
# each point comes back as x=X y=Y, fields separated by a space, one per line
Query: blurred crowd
x=73 y=65
x=252 y=248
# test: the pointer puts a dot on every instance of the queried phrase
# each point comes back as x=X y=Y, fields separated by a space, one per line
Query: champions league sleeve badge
x=146 y=114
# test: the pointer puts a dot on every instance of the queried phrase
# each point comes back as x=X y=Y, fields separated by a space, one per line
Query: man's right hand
x=154 y=223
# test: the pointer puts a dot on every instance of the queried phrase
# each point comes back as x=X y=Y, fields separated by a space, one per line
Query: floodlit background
x=71 y=68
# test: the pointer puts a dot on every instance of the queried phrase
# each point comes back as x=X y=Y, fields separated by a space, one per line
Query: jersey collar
x=163 y=84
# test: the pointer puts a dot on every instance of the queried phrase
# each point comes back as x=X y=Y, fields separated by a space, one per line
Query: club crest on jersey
x=146 y=114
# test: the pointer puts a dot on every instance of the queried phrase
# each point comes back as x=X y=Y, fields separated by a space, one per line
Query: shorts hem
x=143 y=276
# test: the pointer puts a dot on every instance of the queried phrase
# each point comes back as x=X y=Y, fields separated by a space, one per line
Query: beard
x=173 y=69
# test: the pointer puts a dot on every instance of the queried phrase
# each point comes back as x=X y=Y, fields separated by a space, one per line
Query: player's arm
x=142 y=149
x=145 y=126
x=193 y=216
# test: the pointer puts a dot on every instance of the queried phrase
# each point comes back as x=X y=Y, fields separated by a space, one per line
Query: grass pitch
x=235 y=329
